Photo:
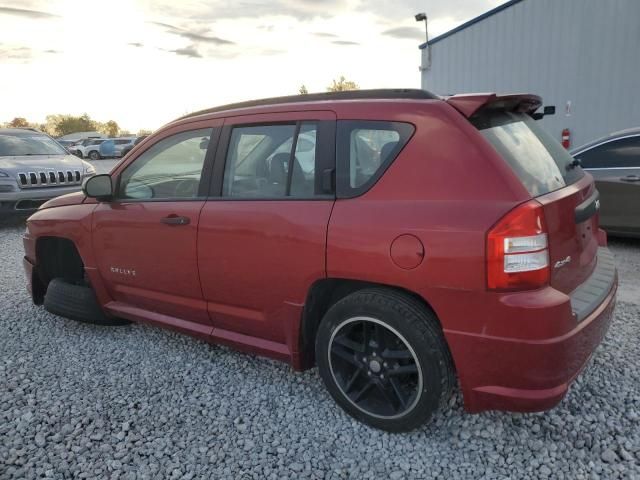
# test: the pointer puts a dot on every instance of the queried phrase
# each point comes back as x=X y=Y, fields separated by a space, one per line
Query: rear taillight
x=518 y=250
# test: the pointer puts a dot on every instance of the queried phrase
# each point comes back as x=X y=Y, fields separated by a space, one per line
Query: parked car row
x=97 y=148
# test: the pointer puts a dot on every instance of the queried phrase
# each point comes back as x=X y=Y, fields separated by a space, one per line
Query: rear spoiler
x=469 y=104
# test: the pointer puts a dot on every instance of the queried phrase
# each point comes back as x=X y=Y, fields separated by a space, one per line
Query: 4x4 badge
x=563 y=262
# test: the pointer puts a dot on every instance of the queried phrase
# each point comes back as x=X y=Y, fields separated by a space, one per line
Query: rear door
x=262 y=235
x=565 y=191
x=620 y=204
x=615 y=165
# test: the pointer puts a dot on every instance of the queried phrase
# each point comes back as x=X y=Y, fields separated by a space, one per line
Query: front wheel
x=384 y=360
x=76 y=302
x=93 y=155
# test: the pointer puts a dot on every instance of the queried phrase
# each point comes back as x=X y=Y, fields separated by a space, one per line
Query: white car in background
x=89 y=147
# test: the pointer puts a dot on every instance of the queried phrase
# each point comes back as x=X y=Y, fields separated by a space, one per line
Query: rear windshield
x=541 y=163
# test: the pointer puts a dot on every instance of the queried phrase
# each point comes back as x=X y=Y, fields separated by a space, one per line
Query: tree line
x=58 y=125
x=339 y=85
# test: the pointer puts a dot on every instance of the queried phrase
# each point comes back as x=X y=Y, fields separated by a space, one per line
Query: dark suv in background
x=614 y=161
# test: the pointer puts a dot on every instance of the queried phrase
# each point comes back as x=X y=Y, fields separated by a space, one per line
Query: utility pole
x=426 y=51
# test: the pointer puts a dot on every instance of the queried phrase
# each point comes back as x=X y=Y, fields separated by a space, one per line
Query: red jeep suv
x=400 y=241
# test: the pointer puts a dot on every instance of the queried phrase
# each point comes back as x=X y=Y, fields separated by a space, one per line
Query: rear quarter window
x=365 y=149
x=539 y=161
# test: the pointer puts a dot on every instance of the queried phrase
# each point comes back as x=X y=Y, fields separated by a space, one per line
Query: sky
x=143 y=63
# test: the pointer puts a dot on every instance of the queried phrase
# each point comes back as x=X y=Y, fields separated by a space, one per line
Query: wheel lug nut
x=385 y=364
x=364 y=359
x=382 y=375
x=369 y=373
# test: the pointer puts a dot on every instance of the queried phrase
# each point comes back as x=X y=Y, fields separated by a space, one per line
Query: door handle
x=631 y=178
x=175 y=220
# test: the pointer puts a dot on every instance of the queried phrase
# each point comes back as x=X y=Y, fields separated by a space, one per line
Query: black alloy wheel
x=375 y=367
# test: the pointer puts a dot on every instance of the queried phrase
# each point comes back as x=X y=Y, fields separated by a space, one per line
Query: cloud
x=15 y=53
x=21 y=12
x=344 y=42
x=193 y=36
x=135 y=44
x=271 y=51
x=325 y=35
x=190 y=51
x=52 y=51
x=411 y=33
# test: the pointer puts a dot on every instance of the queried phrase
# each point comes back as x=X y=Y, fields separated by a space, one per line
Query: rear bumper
x=516 y=374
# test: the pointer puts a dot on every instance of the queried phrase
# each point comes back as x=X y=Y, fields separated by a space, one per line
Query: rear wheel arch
x=327 y=292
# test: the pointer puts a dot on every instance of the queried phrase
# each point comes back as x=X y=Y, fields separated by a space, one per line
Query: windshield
x=28 y=143
x=541 y=163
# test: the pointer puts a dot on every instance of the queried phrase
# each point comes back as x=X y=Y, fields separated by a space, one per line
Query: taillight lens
x=518 y=250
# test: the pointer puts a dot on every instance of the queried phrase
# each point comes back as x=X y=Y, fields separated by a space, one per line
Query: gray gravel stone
x=81 y=401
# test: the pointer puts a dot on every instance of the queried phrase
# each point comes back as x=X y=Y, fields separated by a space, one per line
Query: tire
x=77 y=153
x=405 y=361
x=77 y=302
x=94 y=155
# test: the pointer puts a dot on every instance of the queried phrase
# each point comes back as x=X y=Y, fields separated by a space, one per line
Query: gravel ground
x=140 y=402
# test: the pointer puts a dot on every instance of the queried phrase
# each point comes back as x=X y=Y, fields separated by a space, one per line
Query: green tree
x=18 y=122
x=65 y=124
x=303 y=90
x=342 y=85
x=109 y=128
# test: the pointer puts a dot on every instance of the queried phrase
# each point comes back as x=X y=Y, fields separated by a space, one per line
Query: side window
x=170 y=169
x=623 y=153
x=364 y=151
x=271 y=161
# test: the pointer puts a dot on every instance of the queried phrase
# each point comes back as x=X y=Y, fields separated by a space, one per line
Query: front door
x=262 y=236
x=145 y=239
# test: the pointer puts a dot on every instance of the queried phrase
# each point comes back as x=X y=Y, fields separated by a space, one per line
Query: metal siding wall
x=583 y=51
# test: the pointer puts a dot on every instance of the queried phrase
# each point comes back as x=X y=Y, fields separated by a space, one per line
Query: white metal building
x=81 y=135
x=581 y=56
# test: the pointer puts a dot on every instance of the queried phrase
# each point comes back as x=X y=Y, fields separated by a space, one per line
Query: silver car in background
x=35 y=168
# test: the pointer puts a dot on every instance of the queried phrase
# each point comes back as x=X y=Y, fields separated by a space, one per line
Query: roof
x=81 y=135
x=19 y=131
x=377 y=94
x=473 y=21
x=612 y=136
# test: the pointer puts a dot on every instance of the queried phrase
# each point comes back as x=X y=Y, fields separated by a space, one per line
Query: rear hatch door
x=550 y=175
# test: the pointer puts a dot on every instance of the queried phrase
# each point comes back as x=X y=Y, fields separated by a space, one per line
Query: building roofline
x=473 y=21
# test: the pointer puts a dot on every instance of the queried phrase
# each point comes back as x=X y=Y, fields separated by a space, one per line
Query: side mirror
x=99 y=187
